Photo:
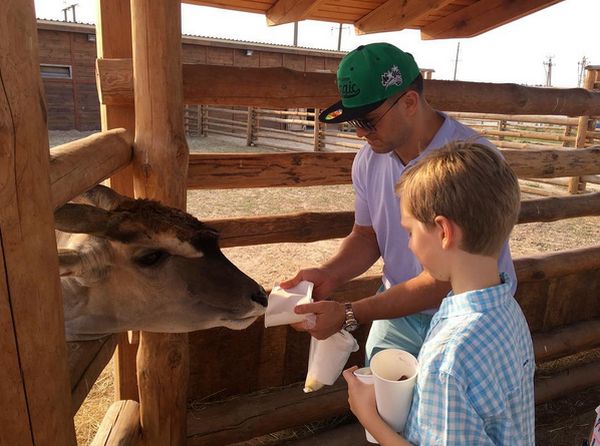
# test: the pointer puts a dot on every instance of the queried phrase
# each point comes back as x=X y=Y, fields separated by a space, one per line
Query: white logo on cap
x=391 y=77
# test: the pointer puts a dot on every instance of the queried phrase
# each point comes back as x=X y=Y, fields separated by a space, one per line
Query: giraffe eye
x=152 y=258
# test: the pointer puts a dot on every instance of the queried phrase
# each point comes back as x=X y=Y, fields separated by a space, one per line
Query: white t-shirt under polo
x=374 y=177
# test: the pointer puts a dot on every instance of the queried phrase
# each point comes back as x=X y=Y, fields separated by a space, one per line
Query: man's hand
x=324 y=282
x=330 y=317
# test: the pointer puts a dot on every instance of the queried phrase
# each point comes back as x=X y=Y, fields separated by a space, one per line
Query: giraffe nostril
x=260 y=297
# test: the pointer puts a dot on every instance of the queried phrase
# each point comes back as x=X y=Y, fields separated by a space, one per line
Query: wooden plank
x=391 y=15
x=481 y=16
x=33 y=357
x=313 y=226
x=261 y=413
x=160 y=169
x=557 y=264
x=113 y=39
x=227 y=171
x=78 y=165
x=249 y=416
x=566 y=340
x=567 y=382
x=288 y=11
x=87 y=360
x=120 y=426
x=283 y=88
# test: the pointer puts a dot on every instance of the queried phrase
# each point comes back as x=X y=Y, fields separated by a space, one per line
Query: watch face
x=351 y=326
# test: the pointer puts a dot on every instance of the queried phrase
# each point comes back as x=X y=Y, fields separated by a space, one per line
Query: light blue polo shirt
x=374 y=177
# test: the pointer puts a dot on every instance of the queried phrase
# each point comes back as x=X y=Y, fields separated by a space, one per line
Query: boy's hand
x=361 y=397
x=329 y=318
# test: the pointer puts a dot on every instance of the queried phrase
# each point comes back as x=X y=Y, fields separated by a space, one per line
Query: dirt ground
x=565 y=422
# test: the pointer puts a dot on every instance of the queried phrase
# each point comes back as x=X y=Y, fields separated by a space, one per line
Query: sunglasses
x=370 y=125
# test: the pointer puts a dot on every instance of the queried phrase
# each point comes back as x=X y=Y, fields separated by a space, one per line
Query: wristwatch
x=350 y=324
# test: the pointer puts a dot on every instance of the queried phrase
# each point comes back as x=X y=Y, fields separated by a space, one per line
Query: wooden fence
x=299 y=130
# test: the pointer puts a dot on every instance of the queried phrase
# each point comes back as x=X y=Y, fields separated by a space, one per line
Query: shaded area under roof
x=436 y=19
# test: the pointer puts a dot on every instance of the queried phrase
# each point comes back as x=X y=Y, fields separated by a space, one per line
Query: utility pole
x=581 y=69
x=340 y=37
x=72 y=8
x=548 y=67
x=295 y=33
x=456 y=59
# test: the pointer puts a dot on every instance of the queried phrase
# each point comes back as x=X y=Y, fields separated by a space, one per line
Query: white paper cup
x=366 y=376
x=394 y=377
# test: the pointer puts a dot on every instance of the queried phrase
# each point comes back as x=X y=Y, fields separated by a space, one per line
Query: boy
x=475 y=381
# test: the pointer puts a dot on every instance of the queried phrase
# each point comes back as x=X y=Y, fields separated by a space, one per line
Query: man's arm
x=414 y=295
x=357 y=253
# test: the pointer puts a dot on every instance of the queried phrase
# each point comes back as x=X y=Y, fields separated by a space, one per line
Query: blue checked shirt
x=475 y=382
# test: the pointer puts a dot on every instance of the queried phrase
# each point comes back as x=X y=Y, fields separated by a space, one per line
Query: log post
x=319 y=136
x=160 y=170
x=582 y=127
x=34 y=376
x=113 y=40
x=251 y=127
x=203 y=119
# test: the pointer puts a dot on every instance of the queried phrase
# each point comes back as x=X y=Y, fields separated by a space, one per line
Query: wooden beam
x=314 y=226
x=160 y=169
x=557 y=264
x=397 y=15
x=78 y=165
x=227 y=171
x=567 y=382
x=566 y=340
x=288 y=11
x=481 y=16
x=113 y=39
x=34 y=376
x=284 y=88
x=87 y=360
x=120 y=426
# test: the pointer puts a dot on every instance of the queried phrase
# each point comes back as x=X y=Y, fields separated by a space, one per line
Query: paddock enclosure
x=142 y=86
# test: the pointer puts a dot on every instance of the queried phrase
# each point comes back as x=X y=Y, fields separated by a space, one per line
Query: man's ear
x=450 y=232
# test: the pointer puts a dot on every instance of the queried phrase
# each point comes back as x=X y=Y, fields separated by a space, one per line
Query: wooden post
x=203 y=117
x=501 y=128
x=34 y=377
x=160 y=172
x=582 y=128
x=251 y=127
x=113 y=40
x=319 y=136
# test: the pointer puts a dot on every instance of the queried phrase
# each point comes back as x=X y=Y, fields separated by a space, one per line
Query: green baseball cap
x=368 y=76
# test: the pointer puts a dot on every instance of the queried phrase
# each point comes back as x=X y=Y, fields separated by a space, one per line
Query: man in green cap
x=382 y=97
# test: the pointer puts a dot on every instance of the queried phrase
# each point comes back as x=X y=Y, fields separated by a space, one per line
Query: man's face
x=387 y=126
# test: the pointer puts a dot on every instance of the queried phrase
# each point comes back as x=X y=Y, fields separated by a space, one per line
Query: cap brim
x=338 y=113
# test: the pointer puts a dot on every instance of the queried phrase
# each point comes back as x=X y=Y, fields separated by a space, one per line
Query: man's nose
x=360 y=132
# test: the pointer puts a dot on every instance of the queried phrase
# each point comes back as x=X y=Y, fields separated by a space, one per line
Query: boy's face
x=426 y=244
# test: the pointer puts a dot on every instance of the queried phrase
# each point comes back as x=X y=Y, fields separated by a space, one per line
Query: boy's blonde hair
x=470 y=184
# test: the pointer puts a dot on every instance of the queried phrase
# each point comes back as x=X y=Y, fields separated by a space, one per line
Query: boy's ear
x=450 y=233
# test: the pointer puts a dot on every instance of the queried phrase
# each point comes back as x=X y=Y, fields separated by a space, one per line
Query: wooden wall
x=73 y=103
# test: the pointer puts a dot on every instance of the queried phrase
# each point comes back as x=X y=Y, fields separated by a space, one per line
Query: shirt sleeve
x=362 y=216
x=445 y=415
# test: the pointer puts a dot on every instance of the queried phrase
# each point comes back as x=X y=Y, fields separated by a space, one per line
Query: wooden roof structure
x=436 y=19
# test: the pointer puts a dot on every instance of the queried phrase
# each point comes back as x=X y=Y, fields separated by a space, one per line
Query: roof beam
x=287 y=11
x=396 y=15
x=481 y=17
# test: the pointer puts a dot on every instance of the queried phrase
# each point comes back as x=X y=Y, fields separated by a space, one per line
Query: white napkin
x=327 y=358
x=281 y=303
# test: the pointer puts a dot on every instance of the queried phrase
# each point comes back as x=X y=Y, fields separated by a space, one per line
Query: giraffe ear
x=82 y=218
x=102 y=197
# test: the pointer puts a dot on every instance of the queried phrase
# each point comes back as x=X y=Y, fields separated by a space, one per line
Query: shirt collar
x=477 y=301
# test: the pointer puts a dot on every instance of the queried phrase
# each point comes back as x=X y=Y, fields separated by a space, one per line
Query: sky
x=517 y=52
